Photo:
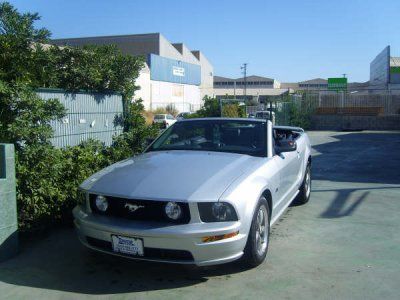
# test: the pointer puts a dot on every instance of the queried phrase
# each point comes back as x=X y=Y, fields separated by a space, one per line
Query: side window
x=282 y=134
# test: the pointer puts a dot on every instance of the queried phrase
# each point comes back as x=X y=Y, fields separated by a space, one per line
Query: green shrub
x=210 y=109
x=48 y=178
x=233 y=110
x=299 y=113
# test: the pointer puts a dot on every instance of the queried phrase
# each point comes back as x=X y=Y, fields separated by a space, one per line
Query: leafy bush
x=48 y=178
x=299 y=113
x=233 y=110
x=210 y=109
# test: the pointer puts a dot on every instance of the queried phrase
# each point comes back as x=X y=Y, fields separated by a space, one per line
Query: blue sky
x=287 y=40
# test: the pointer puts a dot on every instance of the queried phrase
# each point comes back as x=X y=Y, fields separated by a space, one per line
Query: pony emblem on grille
x=133 y=207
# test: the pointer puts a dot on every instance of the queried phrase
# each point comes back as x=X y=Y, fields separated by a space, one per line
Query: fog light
x=213 y=238
x=101 y=203
x=173 y=210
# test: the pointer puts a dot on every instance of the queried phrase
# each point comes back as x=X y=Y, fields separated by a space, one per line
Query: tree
x=92 y=68
x=24 y=117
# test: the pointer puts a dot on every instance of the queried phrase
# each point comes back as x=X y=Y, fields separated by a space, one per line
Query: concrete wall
x=144 y=93
x=187 y=55
x=336 y=122
x=8 y=205
x=184 y=97
x=207 y=75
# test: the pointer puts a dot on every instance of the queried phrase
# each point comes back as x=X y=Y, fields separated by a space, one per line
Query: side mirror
x=285 y=146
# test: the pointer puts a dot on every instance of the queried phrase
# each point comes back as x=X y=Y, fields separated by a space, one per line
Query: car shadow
x=338 y=209
x=60 y=262
x=355 y=158
x=365 y=157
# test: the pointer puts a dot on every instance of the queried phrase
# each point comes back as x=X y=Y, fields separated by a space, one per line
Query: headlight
x=217 y=212
x=173 y=210
x=101 y=203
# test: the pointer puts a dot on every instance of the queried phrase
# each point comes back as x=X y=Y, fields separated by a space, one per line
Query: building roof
x=394 y=61
x=358 y=84
x=220 y=78
x=137 y=44
x=252 y=92
x=314 y=81
x=248 y=78
x=289 y=85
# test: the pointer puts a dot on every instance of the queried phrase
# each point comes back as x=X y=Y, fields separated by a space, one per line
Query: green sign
x=337 y=84
x=394 y=70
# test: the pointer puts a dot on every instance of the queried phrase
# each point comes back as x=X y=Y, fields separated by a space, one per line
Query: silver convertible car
x=205 y=192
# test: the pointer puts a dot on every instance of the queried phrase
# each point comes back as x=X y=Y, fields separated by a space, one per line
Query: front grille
x=149 y=253
x=140 y=210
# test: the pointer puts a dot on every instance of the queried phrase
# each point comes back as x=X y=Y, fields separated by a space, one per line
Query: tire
x=305 y=188
x=256 y=248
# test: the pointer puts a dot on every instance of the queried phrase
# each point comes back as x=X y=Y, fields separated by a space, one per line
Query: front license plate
x=127 y=245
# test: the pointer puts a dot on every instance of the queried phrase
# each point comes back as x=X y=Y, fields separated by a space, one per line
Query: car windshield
x=244 y=137
x=159 y=117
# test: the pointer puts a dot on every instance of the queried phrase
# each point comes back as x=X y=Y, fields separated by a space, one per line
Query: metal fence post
x=8 y=205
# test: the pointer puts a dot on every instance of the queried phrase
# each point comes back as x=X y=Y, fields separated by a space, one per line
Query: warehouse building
x=253 y=87
x=173 y=74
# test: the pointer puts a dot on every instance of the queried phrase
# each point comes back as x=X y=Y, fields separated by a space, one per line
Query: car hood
x=171 y=175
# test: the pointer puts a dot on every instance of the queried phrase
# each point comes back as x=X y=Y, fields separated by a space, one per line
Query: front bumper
x=95 y=232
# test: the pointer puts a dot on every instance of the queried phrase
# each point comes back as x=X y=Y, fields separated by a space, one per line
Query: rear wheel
x=256 y=248
x=305 y=188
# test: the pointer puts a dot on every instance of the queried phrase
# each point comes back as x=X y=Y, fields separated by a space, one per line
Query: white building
x=254 y=87
x=173 y=74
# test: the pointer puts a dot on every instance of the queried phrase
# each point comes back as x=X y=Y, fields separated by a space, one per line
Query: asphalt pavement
x=343 y=244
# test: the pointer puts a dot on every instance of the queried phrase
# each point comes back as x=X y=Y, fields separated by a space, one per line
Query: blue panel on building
x=171 y=70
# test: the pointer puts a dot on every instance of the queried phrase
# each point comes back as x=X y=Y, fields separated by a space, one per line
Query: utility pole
x=244 y=68
x=344 y=75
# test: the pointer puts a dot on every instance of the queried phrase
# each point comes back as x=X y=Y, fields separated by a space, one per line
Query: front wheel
x=305 y=189
x=256 y=248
